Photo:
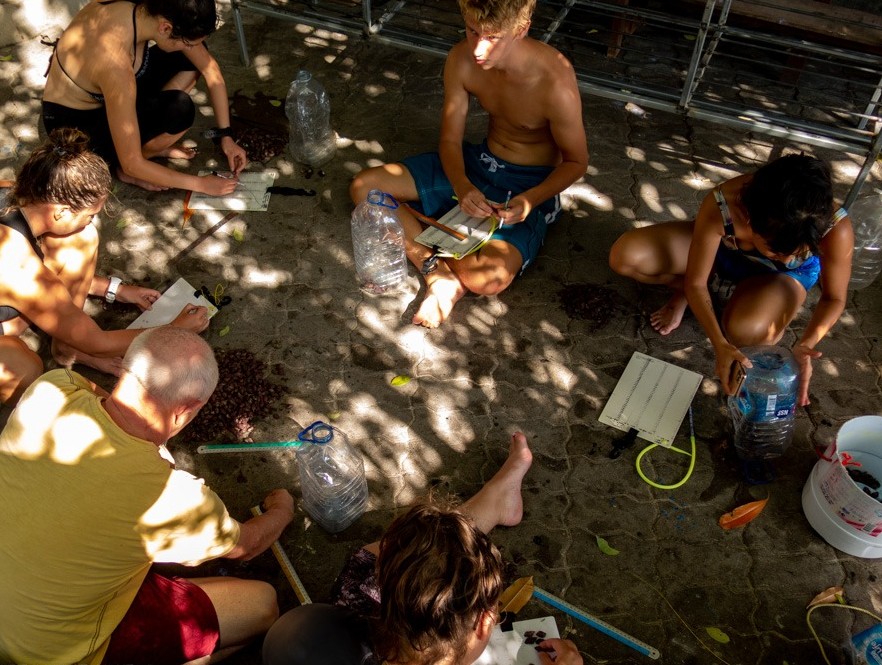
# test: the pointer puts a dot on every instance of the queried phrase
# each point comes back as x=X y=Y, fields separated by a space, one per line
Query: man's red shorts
x=170 y=621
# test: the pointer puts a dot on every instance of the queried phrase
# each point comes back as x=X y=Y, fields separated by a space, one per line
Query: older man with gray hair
x=91 y=498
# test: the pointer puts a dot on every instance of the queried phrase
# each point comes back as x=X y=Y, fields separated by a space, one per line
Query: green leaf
x=224 y=331
x=238 y=234
x=689 y=38
x=400 y=380
x=6 y=58
x=275 y=102
x=605 y=547
x=122 y=223
x=333 y=415
x=717 y=634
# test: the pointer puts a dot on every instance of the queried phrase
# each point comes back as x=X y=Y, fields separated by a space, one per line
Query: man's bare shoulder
x=548 y=59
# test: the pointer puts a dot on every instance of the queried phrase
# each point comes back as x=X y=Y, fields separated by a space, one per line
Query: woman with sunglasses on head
x=132 y=99
x=773 y=233
x=48 y=254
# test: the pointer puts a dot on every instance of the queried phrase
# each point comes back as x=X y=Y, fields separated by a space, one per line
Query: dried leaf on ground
x=516 y=596
x=400 y=380
x=834 y=594
x=743 y=514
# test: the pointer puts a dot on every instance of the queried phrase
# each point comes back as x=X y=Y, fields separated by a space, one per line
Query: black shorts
x=159 y=111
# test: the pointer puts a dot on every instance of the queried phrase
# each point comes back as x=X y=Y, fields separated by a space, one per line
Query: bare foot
x=442 y=294
x=499 y=501
x=66 y=356
x=177 y=152
x=667 y=319
x=137 y=182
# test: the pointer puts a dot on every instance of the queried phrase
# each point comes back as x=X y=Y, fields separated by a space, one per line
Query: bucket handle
x=843 y=458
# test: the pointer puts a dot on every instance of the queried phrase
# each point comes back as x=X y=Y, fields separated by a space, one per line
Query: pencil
x=432 y=222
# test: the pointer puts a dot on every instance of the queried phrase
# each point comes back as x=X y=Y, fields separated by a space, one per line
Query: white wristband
x=112 y=288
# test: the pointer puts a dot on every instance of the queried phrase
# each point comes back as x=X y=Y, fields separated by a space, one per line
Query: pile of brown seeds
x=243 y=396
x=596 y=304
x=261 y=145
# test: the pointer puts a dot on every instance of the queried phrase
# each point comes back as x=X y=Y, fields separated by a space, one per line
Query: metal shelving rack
x=708 y=59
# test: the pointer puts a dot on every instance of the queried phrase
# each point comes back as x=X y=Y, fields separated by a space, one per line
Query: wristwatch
x=217 y=133
x=112 y=288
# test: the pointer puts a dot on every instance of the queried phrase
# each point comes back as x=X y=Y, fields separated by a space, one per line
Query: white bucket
x=834 y=504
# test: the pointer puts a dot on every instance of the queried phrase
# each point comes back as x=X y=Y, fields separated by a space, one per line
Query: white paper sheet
x=250 y=194
x=170 y=304
x=509 y=649
x=652 y=397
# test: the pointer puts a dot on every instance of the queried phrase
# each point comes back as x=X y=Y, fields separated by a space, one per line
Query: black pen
x=221 y=175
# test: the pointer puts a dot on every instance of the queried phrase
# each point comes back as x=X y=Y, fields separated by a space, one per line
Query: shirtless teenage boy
x=535 y=148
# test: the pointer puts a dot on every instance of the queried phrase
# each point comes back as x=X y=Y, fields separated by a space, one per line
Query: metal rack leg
x=872 y=155
x=240 y=35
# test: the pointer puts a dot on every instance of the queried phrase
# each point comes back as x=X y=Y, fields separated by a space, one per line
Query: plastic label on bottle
x=866 y=646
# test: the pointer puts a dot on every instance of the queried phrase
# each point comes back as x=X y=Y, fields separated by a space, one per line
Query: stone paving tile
x=516 y=361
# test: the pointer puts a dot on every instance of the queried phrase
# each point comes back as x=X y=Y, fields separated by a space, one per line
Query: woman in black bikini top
x=133 y=101
x=48 y=248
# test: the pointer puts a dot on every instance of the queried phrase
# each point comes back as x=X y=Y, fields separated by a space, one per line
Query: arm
x=706 y=237
x=127 y=293
x=837 y=248
x=453 y=121
x=564 y=108
x=117 y=84
x=567 y=653
x=40 y=296
x=259 y=533
x=217 y=93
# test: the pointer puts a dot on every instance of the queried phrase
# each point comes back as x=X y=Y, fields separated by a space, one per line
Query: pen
x=432 y=222
x=221 y=175
x=505 y=208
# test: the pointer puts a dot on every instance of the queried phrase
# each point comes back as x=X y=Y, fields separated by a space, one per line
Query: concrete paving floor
x=500 y=364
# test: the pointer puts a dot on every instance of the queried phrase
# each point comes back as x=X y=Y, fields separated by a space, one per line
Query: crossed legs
x=487 y=272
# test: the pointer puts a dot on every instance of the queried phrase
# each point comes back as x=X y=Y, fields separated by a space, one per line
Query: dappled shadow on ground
x=525 y=360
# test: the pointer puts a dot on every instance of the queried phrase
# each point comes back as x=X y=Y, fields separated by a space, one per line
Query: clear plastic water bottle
x=311 y=139
x=378 y=243
x=332 y=481
x=764 y=409
x=866 y=262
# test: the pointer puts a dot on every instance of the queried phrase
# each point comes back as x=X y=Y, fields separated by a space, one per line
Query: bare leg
x=245 y=610
x=657 y=254
x=761 y=308
x=164 y=146
x=499 y=502
x=443 y=287
x=138 y=182
x=19 y=368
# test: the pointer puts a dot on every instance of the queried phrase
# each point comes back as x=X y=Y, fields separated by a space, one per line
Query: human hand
x=237 y=158
x=567 y=653
x=280 y=500
x=730 y=363
x=215 y=185
x=193 y=318
x=474 y=203
x=804 y=356
x=137 y=295
x=516 y=210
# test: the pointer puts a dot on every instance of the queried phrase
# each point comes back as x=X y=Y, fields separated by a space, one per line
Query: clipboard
x=170 y=304
x=473 y=232
x=652 y=397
